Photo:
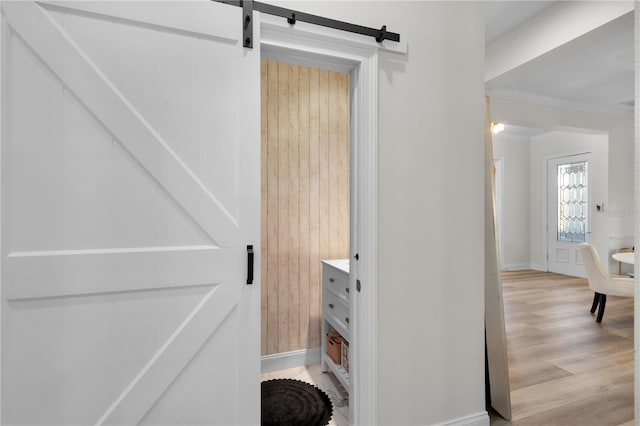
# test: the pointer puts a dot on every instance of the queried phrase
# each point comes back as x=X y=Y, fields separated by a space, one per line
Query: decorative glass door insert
x=573 y=217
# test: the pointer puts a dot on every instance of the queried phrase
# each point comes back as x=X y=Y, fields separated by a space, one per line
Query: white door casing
x=130 y=190
x=317 y=46
x=563 y=257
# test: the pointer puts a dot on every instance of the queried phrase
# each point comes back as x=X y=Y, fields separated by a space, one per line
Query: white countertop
x=341 y=264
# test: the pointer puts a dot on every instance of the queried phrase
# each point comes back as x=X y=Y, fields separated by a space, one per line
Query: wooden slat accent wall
x=305 y=197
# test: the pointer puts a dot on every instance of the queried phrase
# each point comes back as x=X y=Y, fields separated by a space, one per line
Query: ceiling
x=502 y=17
x=593 y=72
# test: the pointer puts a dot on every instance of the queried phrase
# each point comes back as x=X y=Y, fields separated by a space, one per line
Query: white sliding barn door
x=129 y=192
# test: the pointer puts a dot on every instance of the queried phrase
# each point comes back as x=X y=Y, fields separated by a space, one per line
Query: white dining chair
x=601 y=282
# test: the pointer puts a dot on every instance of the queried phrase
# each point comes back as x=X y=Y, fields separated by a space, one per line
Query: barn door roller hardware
x=292 y=16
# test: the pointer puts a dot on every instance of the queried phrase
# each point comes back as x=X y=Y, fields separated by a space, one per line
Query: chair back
x=599 y=280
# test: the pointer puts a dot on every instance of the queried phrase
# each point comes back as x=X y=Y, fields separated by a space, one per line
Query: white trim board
x=636 y=204
x=310 y=44
x=285 y=360
x=517 y=267
x=512 y=95
x=4 y=36
x=312 y=37
x=621 y=238
x=539 y=267
x=478 y=419
x=524 y=266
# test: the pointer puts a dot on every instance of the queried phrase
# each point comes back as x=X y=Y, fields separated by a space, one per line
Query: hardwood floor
x=566 y=369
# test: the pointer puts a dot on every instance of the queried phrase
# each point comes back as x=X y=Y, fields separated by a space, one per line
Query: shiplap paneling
x=305 y=197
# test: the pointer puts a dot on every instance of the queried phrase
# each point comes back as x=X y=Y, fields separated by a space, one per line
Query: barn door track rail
x=292 y=16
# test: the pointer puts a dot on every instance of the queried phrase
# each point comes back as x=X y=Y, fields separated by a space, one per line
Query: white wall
x=431 y=197
x=524 y=192
x=431 y=206
x=514 y=150
x=617 y=223
x=557 y=144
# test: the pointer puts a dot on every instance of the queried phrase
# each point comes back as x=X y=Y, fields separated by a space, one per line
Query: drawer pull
x=331 y=280
x=346 y=289
x=331 y=305
x=347 y=320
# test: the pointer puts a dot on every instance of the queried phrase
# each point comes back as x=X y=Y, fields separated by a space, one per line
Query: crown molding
x=512 y=95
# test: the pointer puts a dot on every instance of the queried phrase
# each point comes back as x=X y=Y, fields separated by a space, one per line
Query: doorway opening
x=568 y=212
x=528 y=219
x=305 y=200
x=552 y=306
x=309 y=45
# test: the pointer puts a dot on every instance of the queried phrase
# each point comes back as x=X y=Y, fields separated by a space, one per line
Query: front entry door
x=129 y=193
x=568 y=213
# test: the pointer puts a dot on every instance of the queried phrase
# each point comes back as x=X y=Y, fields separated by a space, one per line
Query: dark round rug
x=288 y=402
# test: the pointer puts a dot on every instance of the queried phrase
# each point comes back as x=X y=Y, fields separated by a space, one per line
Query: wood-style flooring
x=566 y=369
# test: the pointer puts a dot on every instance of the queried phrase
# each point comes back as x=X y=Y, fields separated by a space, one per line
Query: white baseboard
x=542 y=268
x=284 y=360
x=516 y=267
x=479 y=419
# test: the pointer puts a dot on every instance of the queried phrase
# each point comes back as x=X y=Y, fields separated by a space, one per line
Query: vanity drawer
x=336 y=312
x=336 y=282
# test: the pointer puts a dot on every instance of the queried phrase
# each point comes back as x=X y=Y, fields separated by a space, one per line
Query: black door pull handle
x=249 y=264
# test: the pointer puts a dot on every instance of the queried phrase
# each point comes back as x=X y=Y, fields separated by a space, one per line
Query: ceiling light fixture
x=496 y=127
